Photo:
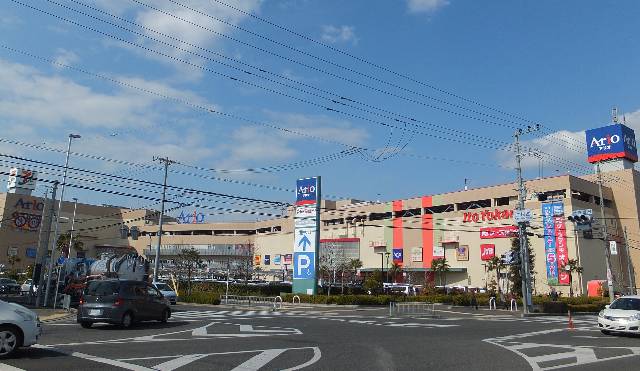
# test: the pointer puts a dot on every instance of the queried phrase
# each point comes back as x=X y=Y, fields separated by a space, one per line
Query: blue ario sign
x=306 y=236
x=306 y=191
x=611 y=142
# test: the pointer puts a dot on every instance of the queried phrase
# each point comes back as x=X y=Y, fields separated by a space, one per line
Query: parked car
x=19 y=327
x=9 y=286
x=121 y=302
x=623 y=315
x=26 y=286
x=167 y=292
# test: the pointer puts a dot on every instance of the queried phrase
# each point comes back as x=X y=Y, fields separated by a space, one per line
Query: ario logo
x=605 y=142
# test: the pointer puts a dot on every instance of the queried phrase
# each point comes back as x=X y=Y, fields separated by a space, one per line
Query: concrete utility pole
x=632 y=283
x=605 y=236
x=43 y=241
x=156 y=268
x=52 y=214
x=522 y=231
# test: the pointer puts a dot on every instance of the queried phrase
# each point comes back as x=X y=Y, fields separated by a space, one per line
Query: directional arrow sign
x=304 y=239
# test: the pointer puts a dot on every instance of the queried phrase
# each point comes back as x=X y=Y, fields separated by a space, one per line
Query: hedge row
x=201 y=297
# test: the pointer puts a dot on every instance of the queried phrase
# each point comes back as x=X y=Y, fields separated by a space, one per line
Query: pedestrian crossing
x=203 y=314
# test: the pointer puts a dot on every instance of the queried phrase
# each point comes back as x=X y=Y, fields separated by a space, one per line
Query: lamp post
x=56 y=230
x=382 y=256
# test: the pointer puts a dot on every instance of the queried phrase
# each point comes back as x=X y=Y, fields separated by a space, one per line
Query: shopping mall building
x=467 y=227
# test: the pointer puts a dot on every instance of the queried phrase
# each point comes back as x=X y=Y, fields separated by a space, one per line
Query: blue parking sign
x=304 y=265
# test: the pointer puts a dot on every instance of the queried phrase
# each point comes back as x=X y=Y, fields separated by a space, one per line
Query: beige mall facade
x=466 y=227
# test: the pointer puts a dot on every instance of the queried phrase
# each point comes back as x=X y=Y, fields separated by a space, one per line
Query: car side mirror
x=606 y=306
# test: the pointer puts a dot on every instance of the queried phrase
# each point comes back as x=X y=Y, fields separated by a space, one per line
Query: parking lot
x=323 y=338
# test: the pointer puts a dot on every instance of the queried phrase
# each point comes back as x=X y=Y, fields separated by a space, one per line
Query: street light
x=55 y=233
x=382 y=256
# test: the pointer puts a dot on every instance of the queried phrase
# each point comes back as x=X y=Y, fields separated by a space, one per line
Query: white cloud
x=339 y=34
x=426 y=6
x=176 y=28
x=65 y=57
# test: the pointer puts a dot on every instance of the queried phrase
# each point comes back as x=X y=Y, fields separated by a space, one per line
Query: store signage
x=499 y=232
x=487 y=215
x=487 y=251
x=12 y=251
x=277 y=259
x=555 y=243
x=257 y=260
x=416 y=254
x=610 y=142
x=267 y=260
x=562 y=251
x=191 y=218
x=438 y=251
x=23 y=217
x=522 y=216
x=398 y=255
x=462 y=253
x=288 y=258
x=306 y=238
x=31 y=252
x=21 y=179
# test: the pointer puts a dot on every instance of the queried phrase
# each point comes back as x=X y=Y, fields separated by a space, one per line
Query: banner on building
x=267 y=260
x=288 y=258
x=562 y=252
x=438 y=251
x=257 y=260
x=611 y=142
x=509 y=231
x=276 y=259
x=416 y=254
x=551 y=259
x=398 y=256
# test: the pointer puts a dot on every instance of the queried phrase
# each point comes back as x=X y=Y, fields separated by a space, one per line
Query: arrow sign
x=304 y=241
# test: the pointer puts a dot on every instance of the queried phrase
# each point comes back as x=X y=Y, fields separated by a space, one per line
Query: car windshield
x=102 y=288
x=6 y=280
x=163 y=287
x=626 y=304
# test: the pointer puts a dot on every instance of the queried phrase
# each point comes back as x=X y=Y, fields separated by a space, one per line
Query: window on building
x=581 y=196
x=439 y=209
x=502 y=201
x=479 y=204
x=380 y=216
x=223 y=233
x=406 y=213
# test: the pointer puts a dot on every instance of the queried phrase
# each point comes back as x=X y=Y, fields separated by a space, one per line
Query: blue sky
x=562 y=64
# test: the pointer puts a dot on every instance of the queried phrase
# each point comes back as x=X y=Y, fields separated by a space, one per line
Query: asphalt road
x=219 y=338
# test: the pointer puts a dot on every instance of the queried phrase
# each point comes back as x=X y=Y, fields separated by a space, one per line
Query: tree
x=332 y=257
x=373 y=281
x=495 y=264
x=572 y=266
x=515 y=273
x=394 y=271
x=63 y=243
x=440 y=266
x=189 y=260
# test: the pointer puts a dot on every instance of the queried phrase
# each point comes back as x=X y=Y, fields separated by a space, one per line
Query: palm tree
x=394 y=271
x=441 y=267
x=63 y=242
x=495 y=264
x=572 y=266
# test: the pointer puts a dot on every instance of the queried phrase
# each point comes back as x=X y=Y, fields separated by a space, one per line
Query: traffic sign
x=613 y=247
x=522 y=216
x=305 y=240
x=304 y=263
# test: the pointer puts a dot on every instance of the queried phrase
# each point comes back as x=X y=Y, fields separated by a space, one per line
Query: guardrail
x=293 y=301
x=424 y=308
x=274 y=302
x=492 y=303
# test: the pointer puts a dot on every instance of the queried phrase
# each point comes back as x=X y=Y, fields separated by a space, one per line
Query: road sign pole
x=605 y=237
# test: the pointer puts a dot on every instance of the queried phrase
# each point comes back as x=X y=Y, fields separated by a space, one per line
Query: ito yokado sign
x=306 y=236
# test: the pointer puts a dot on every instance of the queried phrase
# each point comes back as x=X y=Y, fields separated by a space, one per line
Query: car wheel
x=86 y=324
x=606 y=332
x=10 y=339
x=165 y=316
x=127 y=320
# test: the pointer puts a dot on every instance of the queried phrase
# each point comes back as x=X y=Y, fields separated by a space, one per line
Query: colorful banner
x=562 y=253
x=257 y=260
x=306 y=239
x=551 y=260
x=509 y=231
x=462 y=253
x=398 y=256
x=438 y=251
x=267 y=260
x=487 y=251
x=288 y=258
x=276 y=259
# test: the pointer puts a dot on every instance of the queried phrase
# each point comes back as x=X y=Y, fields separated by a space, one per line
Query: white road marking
x=256 y=362
x=179 y=362
x=6 y=367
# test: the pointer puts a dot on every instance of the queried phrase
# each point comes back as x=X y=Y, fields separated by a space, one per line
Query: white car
x=19 y=327
x=26 y=286
x=167 y=292
x=623 y=315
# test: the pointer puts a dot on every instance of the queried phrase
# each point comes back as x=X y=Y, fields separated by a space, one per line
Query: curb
x=58 y=316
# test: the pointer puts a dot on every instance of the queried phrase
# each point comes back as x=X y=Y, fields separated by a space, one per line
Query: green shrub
x=201 y=297
x=555 y=307
x=590 y=308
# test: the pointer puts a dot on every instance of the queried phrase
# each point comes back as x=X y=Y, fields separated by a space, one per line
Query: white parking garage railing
x=423 y=308
x=274 y=302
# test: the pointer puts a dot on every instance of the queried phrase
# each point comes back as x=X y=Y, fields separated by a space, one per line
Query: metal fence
x=422 y=308
x=274 y=302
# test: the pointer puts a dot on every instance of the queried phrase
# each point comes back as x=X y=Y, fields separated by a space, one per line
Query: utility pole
x=68 y=252
x=156 y=268
x=52 y=214
x=37 y=268
x=522 y=230
x=632 y=283
x=605 y=237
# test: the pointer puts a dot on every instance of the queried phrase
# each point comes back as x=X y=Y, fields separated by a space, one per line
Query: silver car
x=121 y=302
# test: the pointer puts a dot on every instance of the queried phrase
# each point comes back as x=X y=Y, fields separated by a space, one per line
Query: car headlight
x=25 y=315
x=635 y=317
x=601 y=313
